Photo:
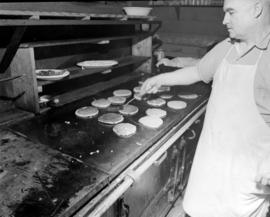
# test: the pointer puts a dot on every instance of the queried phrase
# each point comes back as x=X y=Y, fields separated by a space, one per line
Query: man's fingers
x=153 y=89
x=145 y=87
x=151 y=85
x=148 y=88
x=159 y=63
x=163 y=61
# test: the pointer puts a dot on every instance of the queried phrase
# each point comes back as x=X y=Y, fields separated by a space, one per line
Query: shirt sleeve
x=208 y=65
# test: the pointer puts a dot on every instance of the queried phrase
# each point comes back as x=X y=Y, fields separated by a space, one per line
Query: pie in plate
x=51 y=74
x=101 y=103
x=156 y=112
x=166 y=96
x=188 y=96
x=97 y=63
x=151 y=121
x=111 y=118
x=129 y=110
x=176 y=104
x=122 y=92
x=117 y=100
x=86 y=112
x=158 y=102
x=124 y=129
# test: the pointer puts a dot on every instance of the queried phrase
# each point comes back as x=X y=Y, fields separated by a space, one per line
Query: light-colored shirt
x=209 y=63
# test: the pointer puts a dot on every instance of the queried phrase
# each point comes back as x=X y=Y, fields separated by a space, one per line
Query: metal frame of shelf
x=20 y=56
x=76 y=72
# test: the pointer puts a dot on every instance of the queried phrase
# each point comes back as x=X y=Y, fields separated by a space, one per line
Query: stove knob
x=197 y=121
x=191 y=134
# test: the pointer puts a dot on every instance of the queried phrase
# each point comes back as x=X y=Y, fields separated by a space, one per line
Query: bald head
x=245 y=18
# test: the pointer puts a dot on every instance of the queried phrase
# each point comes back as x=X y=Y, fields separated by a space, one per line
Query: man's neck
x=245 y=45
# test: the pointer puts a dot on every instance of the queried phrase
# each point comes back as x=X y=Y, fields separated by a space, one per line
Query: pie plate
x=51 y=74
x=97 y=63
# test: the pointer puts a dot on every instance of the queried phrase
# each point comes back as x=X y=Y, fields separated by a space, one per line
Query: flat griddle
x=95 y=145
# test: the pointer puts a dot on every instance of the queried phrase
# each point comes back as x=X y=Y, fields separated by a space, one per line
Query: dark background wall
x=195 y=20
x=188 y=30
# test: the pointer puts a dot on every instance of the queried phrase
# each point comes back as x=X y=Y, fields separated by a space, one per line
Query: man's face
x=239 y=18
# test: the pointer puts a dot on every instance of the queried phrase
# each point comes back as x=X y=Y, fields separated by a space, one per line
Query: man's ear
x=258 y=8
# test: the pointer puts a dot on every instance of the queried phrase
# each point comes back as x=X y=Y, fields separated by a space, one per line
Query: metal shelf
x=30 y=18
x=81 y=93
x=83 y=40
x=187 y=3
x=57 y=22
x=76 y=72
x=38 y=19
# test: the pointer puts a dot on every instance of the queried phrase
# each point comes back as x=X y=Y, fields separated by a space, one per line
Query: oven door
x=156 y=190
x=143 y=196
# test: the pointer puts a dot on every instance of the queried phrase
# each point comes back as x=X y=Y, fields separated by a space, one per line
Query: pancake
x=111 y=118
x=124 y=130
x=158 y=102
x=117 y=100
x=122 y=92
x=151 y=121
x=86 y=112
x=164 y=89
x=177 y=104
x=188 y=96
x=166 y=96
x=156 y=112
x=137 y=89
x=101 y=103
x=129 y=110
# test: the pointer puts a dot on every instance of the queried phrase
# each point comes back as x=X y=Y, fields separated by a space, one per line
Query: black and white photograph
x=154 y=108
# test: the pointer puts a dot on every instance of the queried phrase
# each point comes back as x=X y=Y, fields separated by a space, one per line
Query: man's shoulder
x=217 y=53
x=223 y=45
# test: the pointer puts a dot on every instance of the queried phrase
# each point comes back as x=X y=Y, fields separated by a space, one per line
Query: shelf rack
x=76 y=72
x=22 y=57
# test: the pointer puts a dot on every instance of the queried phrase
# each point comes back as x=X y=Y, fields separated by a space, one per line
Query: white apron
x=234 y=140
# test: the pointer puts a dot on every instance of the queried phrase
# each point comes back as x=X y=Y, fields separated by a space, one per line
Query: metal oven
x=54 y=164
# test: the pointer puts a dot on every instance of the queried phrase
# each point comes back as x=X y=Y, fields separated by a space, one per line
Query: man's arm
x=178 y=62
x=185 y=76
x=203 y=71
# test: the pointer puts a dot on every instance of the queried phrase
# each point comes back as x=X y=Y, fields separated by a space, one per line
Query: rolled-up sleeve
x=208 y=65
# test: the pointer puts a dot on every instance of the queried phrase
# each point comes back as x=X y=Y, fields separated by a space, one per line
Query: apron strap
x=259 y=58
x=228 y=52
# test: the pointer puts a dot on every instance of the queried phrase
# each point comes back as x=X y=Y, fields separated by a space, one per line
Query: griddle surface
x=95 y=144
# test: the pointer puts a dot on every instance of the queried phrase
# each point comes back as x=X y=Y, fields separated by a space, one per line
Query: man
x=231 y=168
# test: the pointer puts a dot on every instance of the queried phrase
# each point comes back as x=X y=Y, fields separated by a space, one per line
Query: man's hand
x=263 y=175
x=165 y=62
x=151 y=85
x=179 y=62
